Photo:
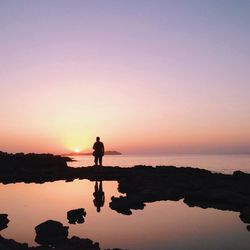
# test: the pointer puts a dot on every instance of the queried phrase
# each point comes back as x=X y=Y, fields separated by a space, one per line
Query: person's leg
x=96 y=160
x=100 y=160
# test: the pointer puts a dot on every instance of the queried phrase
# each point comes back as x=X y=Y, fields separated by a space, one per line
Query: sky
x=147 y=77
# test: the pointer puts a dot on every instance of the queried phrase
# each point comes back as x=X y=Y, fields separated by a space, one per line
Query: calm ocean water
x=216 y=163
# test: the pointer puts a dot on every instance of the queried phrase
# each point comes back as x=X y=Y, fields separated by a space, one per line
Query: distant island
x=90 y=153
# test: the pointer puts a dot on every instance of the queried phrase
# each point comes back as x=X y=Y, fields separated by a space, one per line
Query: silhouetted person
x=98 y=151
x=99 y=197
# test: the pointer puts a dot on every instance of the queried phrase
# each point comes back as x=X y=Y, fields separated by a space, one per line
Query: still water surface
x=160 y=226
x=217 y=163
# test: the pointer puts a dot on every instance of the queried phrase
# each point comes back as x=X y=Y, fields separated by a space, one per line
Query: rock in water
x=51 y=233
x=76 y=216
x=3 y=221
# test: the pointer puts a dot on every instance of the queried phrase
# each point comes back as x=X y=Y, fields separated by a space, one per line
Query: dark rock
x=142 y=167
x=76 y=216
x=3 y=221
x=245 y=214
x=51 y=233
x=217 y=198
x=124 y=205
x=239 y=173
x=6 y=244
x=20 y=162
x=76 y=243
x=115 y=249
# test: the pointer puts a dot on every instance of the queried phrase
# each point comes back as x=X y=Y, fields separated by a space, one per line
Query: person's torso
x=98 y=146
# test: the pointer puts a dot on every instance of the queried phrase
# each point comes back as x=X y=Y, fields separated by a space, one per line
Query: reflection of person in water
x=99 y=197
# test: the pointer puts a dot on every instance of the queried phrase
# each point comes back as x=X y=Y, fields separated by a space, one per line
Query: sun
x=77 y=150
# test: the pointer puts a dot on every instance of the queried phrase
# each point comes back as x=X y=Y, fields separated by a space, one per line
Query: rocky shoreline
x=140 y=184
x=144 y=184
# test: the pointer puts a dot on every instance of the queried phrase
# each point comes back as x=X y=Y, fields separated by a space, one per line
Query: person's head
x=98 y=209
x=97 y=138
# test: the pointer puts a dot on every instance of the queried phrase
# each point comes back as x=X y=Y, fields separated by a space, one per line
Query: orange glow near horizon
x=130 y=141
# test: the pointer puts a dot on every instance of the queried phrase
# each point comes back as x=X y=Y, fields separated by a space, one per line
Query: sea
x=227 y=163
x=163 y=225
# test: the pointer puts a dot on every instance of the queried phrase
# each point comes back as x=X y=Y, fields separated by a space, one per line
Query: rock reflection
x=99 y=196
x=4 y=221
x=197 y=187
x=76 y=216
x=124 y=205
x=53 y=235
x=50 y=233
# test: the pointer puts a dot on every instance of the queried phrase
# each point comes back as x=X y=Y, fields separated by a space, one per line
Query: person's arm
x=103 y=149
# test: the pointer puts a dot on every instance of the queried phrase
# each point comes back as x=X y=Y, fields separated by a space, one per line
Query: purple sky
x=146 y=76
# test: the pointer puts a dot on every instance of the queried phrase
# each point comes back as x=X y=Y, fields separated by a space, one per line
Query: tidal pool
x=159 y=226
